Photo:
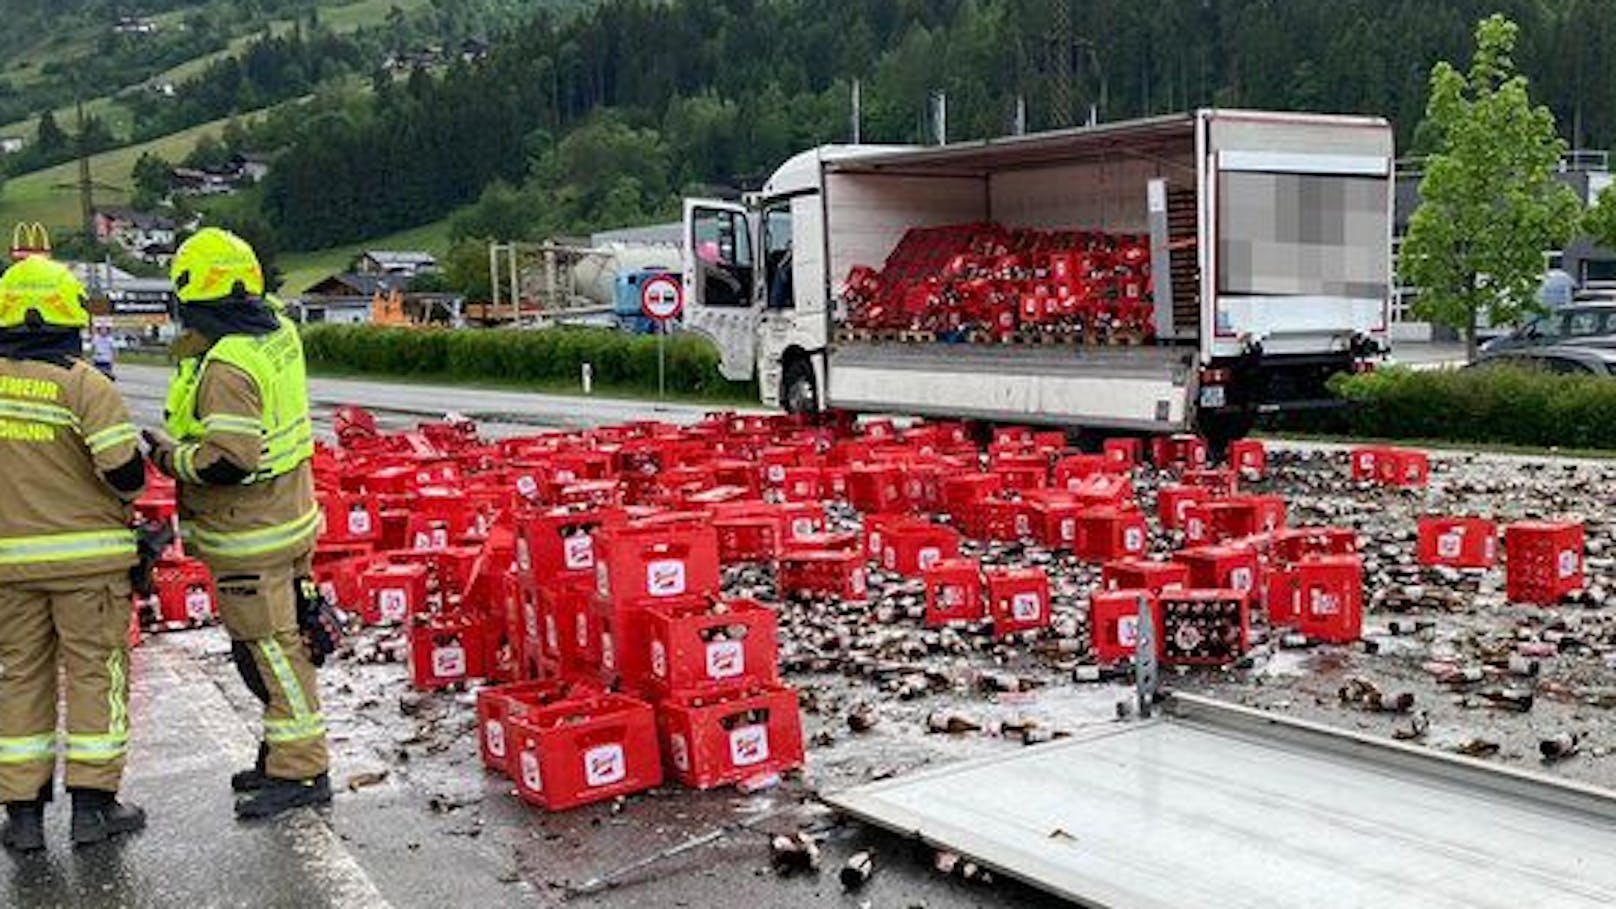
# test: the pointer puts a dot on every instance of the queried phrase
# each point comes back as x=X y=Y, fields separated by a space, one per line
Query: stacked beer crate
x=183 y=592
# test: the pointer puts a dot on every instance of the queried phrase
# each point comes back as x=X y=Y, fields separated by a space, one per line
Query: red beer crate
x=953 y=592
x=1327 y=598
x=1248 y=458
x=962 y=490
x=1110 y=489
x=1114 y=623
x=451 y=569
x=1022 y=471
x=390 y=594
x=1014 y=436
x=833 y=483
x=1105 y=534
x=584 y=750
x=1072 y=469
x=559 y=543
x=1203 y=627
x=341 y=579
x=448 y=650
x=1292 y=544
x=840 y=541
x=802 y=484
x=828 y=574
x=349 y=518
x=725 y=642
x=1178 y=452
x=1216 y=481
x=1124 y=453
x=1056 y=520
x=1222 y=568
x=923 y=486
x=1144 y=574
x=996 y=518
x=1366 y=462
x=1542 y=561
x=720 y=740
x=1243 y=516
x=1402 y=467
x=873 y=488
x=1458 y=542
x=658 y=558
x=566 y=636
x=1018 y=599
x=909 y=547
x=186 y=596
x=748 y=538
x=496 y=704
x=1174 y=502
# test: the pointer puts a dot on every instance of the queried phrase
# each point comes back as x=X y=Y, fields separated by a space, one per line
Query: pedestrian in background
x=104 y=351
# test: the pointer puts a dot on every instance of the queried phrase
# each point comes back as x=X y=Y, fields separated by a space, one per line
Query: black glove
x=318 y=620
x=150 y=542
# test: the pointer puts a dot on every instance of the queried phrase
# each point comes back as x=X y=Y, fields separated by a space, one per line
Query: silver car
x=1580 y=323
x=1562 y=359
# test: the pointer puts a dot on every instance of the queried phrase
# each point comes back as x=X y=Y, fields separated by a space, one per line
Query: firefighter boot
x=99 y=816
x=280 y=796
x=253 y=778
x=24 y=830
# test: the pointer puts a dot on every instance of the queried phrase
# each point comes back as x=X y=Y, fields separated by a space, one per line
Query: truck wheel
x=799 y=390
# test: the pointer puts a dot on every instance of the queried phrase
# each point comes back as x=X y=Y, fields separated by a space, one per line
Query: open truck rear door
x=723 y=300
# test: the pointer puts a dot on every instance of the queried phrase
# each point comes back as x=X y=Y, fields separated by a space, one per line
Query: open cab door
x=723 y=297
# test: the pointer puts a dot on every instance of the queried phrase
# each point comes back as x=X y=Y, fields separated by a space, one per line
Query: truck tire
x=799 y=388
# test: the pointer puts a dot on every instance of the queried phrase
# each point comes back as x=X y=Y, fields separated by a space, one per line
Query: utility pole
x=1060 y=62
x=86 y=184
x=858 y=108
x=939 y=116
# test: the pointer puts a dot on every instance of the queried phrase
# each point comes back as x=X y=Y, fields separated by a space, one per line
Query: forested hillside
x=602 y=119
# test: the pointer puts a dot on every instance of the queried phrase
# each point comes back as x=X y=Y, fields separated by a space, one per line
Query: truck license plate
x=1212 y=396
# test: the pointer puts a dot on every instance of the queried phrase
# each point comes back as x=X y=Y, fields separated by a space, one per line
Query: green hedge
x=1490 y=406
x=548 y=358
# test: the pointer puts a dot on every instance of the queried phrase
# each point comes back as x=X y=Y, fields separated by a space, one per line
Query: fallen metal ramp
x=1221 y=806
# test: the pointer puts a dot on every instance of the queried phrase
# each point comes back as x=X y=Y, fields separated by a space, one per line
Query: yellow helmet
x=216 y=265
x=49 y=288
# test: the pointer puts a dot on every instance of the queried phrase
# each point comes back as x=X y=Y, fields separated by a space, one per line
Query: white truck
x=1270 y=241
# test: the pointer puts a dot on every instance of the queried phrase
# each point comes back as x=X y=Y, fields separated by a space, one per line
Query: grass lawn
x=303 y=270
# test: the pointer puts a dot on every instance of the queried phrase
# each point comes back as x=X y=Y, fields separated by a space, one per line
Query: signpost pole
x=661 y=369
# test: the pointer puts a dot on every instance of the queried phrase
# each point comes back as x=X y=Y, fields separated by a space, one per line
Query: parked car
x=1563 y=359
x=1580 y=323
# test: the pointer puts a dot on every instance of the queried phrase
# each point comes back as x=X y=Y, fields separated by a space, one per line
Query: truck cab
x=1270 y=259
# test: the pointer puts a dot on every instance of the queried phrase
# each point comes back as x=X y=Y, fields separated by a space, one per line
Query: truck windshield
x=1302 y=235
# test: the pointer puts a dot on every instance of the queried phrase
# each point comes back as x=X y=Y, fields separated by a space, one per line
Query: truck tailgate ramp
x=1220 y=806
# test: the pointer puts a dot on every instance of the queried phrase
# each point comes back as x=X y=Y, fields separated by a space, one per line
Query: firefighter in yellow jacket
x=239 y=441
x=69 y=467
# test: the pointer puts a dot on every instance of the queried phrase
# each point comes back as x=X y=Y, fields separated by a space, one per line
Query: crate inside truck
x=1177 y=272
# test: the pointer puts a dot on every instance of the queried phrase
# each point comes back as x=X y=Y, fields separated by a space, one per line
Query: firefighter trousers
x=83 y=624
x=259 y=610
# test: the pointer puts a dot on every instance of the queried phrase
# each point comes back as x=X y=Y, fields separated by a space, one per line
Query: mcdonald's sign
x=29 y=240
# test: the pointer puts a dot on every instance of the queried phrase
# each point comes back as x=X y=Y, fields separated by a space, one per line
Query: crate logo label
x=1569 y=563
x=524 y=556
x=725 y=659
x=198 y=604
x=1240 y=578
x=449 y=661
x=578 y=551
x=1128 y=631
x=875 y=543
x=1026 y=607
x=393 y=604
x=749 y=745
x=605 y=765
x=608 y=654
x=580 y=630
x=552 y=640
x=1133 y=540
x=494 y=735
x=1489 y=548
x=665 y=578
x=435 y=538
x=566 y=476
x=1324 y=602
x=659 y=660
x=889 y=558
x=858 y=582
x=1068 y=530
x=1023 y=525
x=679 y=751
x=359 y=521
x=952 y=596
x=1195 y=528
x=777 y=473
x=930 y=556
x=530 y=770
x=527 y=486
x=530 y=619
x=1451 y=544
x=802 y=527
x=603 y=580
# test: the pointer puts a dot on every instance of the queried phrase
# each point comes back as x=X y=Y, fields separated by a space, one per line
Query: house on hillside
x=134 y=25
x=405 y=264
x=10 y=145
x=357 y=298
x=473 y=50
x=148 y=237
